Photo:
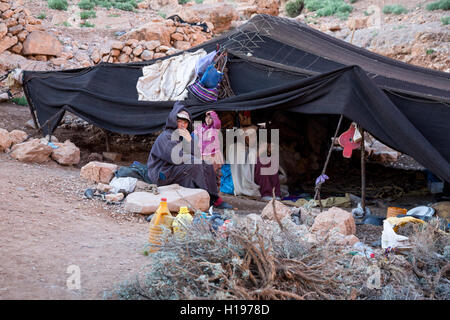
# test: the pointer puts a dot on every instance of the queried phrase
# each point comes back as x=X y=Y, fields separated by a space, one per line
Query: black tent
x=274 y=63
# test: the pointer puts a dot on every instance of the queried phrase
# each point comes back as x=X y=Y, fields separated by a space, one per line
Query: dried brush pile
x=241 y=264
x=274 y=261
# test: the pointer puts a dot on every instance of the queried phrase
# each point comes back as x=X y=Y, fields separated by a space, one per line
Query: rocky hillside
x=60 y=34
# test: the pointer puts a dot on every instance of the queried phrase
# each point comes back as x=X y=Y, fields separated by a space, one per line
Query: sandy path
x=46 y=226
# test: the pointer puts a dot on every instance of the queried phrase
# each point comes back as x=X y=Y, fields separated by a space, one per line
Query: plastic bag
x=390 y=239
x=127 y=184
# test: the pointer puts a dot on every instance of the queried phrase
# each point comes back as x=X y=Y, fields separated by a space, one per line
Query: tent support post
x=363 y=173
x=317 y=195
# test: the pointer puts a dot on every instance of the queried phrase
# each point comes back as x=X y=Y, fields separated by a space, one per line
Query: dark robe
x=266 y=182
x=163 y=171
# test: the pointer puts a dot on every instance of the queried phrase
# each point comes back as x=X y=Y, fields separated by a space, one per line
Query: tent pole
x=363 y=173
x=317 y=195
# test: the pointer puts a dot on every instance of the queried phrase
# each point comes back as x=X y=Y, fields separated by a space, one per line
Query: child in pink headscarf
x=209 y=141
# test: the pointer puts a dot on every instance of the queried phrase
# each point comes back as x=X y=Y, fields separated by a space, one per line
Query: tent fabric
x=275 y=64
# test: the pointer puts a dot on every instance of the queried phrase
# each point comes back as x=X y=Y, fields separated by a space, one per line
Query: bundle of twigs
x=204 y=264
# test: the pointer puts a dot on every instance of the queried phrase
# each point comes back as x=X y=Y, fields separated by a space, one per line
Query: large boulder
x=219 y=14
x=97 y=172
x=177 y=196
x=31 y=151
x=67 y=153
x=334 y=219
x=5 y=140
x=43 y=43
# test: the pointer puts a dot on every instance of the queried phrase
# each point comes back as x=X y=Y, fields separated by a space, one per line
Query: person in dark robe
x=163 y=169
x=266 y=182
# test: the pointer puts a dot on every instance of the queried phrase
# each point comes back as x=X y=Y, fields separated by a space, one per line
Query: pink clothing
x=209 y=142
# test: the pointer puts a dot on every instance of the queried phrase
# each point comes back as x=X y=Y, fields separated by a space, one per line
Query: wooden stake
x=317 y=194
x=363 y=173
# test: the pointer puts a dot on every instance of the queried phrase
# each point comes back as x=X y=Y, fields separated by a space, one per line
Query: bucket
x=394 y=211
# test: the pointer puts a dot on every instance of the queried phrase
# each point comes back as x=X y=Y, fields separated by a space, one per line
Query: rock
x=5 y=140
x=104 y=187
x=158 y=55
x=7 y=14
x=18 y=136
x=442 y=209
x=146 y=203
x=177 y=36
x=117 y=45
x=17 y=48
x=249 y=8
x=357 y=23
x=147 y=55
x=152 y=45
x=112 y=156
x=31 y=151
x=220 y=14
x=151 y=31
x=11 y=22
x=143 y=5
x=3 y=30
x=67 y=153
x=98 y=172
x=7 y=42
x=163 y=48
x=132 y=43
x=123 y=58
x=115 y=197
x=22 y=36
x=95 y=157
x=4 y=6
x=32 y=28
x=127 y=50
x=334 y=218
x=10 y=60
x=282 y=211
x=41 y=57
x=95 y=56
x=81 y=56
x=16 y=29
x=138 y=50
x=115 y=52
x=182 y=45
x=58 y=61
x=40 y=42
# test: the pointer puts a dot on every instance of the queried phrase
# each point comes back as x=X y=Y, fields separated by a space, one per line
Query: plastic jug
x=161 y=217
x=184 y=218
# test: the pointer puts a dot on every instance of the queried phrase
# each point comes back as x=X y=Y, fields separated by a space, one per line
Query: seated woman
x=267 y=182
x=164 y=165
